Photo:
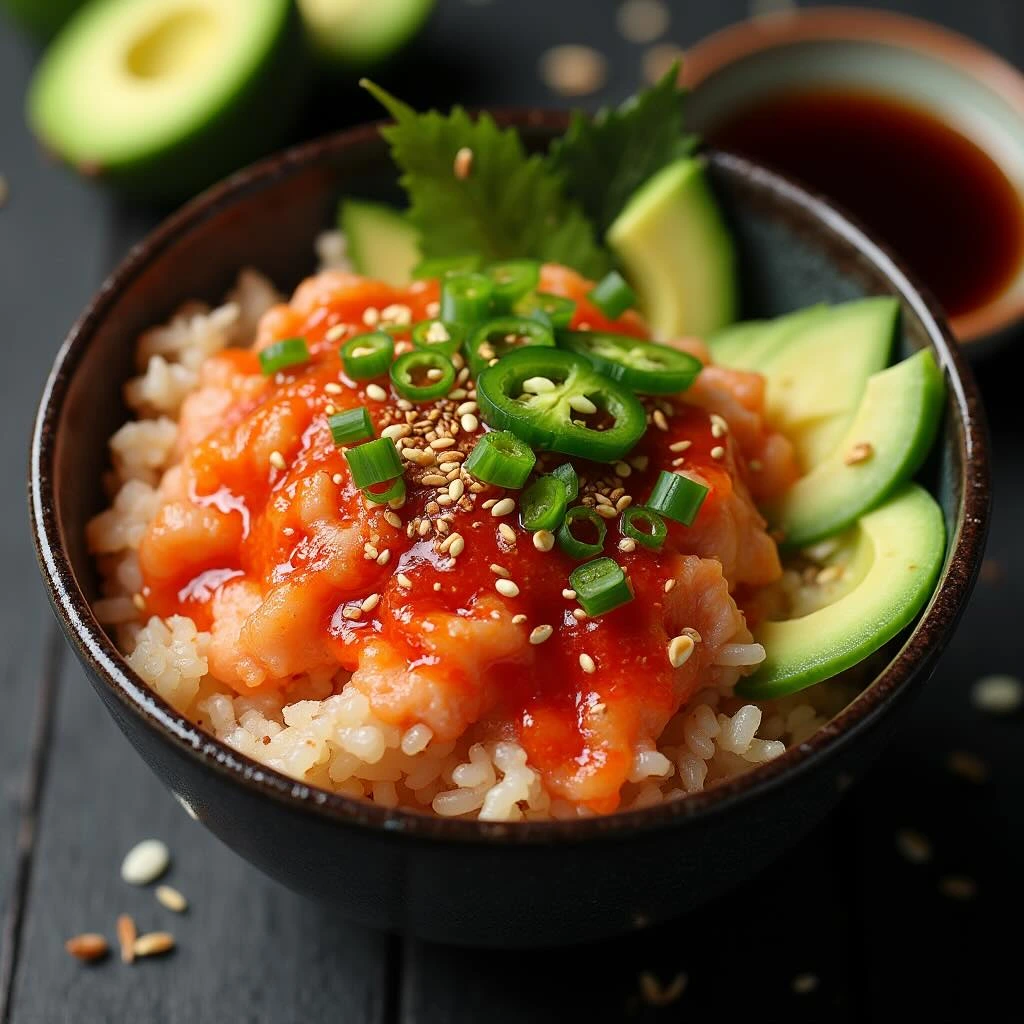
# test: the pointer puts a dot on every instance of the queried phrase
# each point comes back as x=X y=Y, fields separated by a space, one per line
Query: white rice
x=332 y=738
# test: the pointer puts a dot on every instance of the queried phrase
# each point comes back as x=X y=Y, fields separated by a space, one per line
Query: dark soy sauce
x=937 y=199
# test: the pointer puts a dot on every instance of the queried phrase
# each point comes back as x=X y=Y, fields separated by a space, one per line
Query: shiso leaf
x=605 y=159
x=510 y=204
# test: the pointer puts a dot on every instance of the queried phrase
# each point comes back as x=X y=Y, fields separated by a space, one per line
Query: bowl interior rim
x=744 y=39
x=921 y=647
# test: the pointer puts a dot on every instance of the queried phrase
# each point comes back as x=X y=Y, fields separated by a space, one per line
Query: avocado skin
x=41 y=18
x=251 y=123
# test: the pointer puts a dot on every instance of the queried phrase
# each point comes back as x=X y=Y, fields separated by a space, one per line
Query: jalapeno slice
x=422 y=376
x=642 y=366
x=575 y=410
x=437 y=336
x=512 y=280
x=555 y=310
x=497 y=338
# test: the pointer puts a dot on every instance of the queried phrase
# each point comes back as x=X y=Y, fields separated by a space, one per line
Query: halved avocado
x=884 y=446
x=41 y=17
x=677 y=252
x=357 y=34
x=817 y=374
x=382 y=244
x=162 y=97
x=746 y=346
x=896 y=560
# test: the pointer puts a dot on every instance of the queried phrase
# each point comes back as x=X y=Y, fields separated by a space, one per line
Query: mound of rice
x=319 y=730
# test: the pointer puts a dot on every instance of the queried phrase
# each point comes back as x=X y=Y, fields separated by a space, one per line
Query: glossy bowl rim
x=920 y=649
x=743 y=39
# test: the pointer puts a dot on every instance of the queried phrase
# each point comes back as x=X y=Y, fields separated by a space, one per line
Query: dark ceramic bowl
x=467 y=881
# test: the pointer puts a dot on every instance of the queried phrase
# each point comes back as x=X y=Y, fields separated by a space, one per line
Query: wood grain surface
x=873 y=934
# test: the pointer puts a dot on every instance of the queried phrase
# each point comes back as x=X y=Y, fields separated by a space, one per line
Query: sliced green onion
x=375 y=462
x=368 y=355
x=437 y=336
x=512 y=280
x=282 y=354
x=644 y=526
x=439 y=266
x=677 y=497
x=351 y=425
x=612 y=295
x=392 y=492
x=542 y=506
x=555 y=310
x=600 y=586
x=569 y=479
x=496 y=338
x=571 y=544
x=422 y=376
x=500 y=458
x=466 y=297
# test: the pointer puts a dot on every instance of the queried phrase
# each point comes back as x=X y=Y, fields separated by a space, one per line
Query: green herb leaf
x=510 y=205
x=606 y=159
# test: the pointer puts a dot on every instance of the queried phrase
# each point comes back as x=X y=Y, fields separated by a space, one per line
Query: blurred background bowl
x=962 y=84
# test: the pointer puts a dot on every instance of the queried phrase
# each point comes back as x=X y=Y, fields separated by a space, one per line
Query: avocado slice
x=677 y=252
x=164 y=96
x=816 y=374
x=382 y=244
x=357 y=34
x=745 y=346
x=898 y=552
x=41 y=17
x=883 y=446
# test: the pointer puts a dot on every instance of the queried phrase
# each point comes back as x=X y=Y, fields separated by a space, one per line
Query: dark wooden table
x=877 y=932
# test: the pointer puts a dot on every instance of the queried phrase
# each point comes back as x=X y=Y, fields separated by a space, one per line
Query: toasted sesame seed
x=627 y=544
x=541 y=633
x=623 y=469
x=679 y=649
x=669 y=584
x=376 y=392
x=587 y=664
x=568 y=594
x=437 y=587
x=718 y=452
x=719 y=427
x=500 y=570
x=680 y=446
x=126 y=935
x=154 y=943
x=169 y=897
x=998 y=694
x=439 y=444
x=573 y=70
x=469 y=422
x=538 y=385
x=433 y=308
x=397 y=313
x=639 y=462
x=403 y=581
x=503 y=507
x=602 y=499
x=860 y=452
x=371 y=316
x=624 y=502
x=370 y=602
x=967 y=766
x=370 y=551
x=433 y=480
x=329 y=409
x=543 y=540
x=332 y=388
x=145 y=862
x=384 y=557
x=435 y=373
x=392 y=520
x=277 y=459
x=457 y=545
x=507 y=588
x=518 y=619
x=507 y=534
x=396 y=431
x=606 y=511
x=466 y=408
x=456 y=489
x=913 y=846
x=87 y=947
x=463 y=164
x=335 y=332
x=352 y=613
x=579 y=613
x=659 y=420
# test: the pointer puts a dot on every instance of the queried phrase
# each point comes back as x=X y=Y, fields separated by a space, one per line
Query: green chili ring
x=571 y=544
x=408 y=364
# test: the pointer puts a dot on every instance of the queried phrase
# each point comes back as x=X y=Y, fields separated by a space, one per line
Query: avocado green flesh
x=816 y=376
x=381 y=242
x=41 y=17
x=746 y=346
x=902 y=543
x=677 y=252
x=357 y=34
x=897 y=421
x=163 y=97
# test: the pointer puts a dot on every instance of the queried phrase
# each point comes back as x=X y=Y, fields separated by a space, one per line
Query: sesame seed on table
x=900 y=894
